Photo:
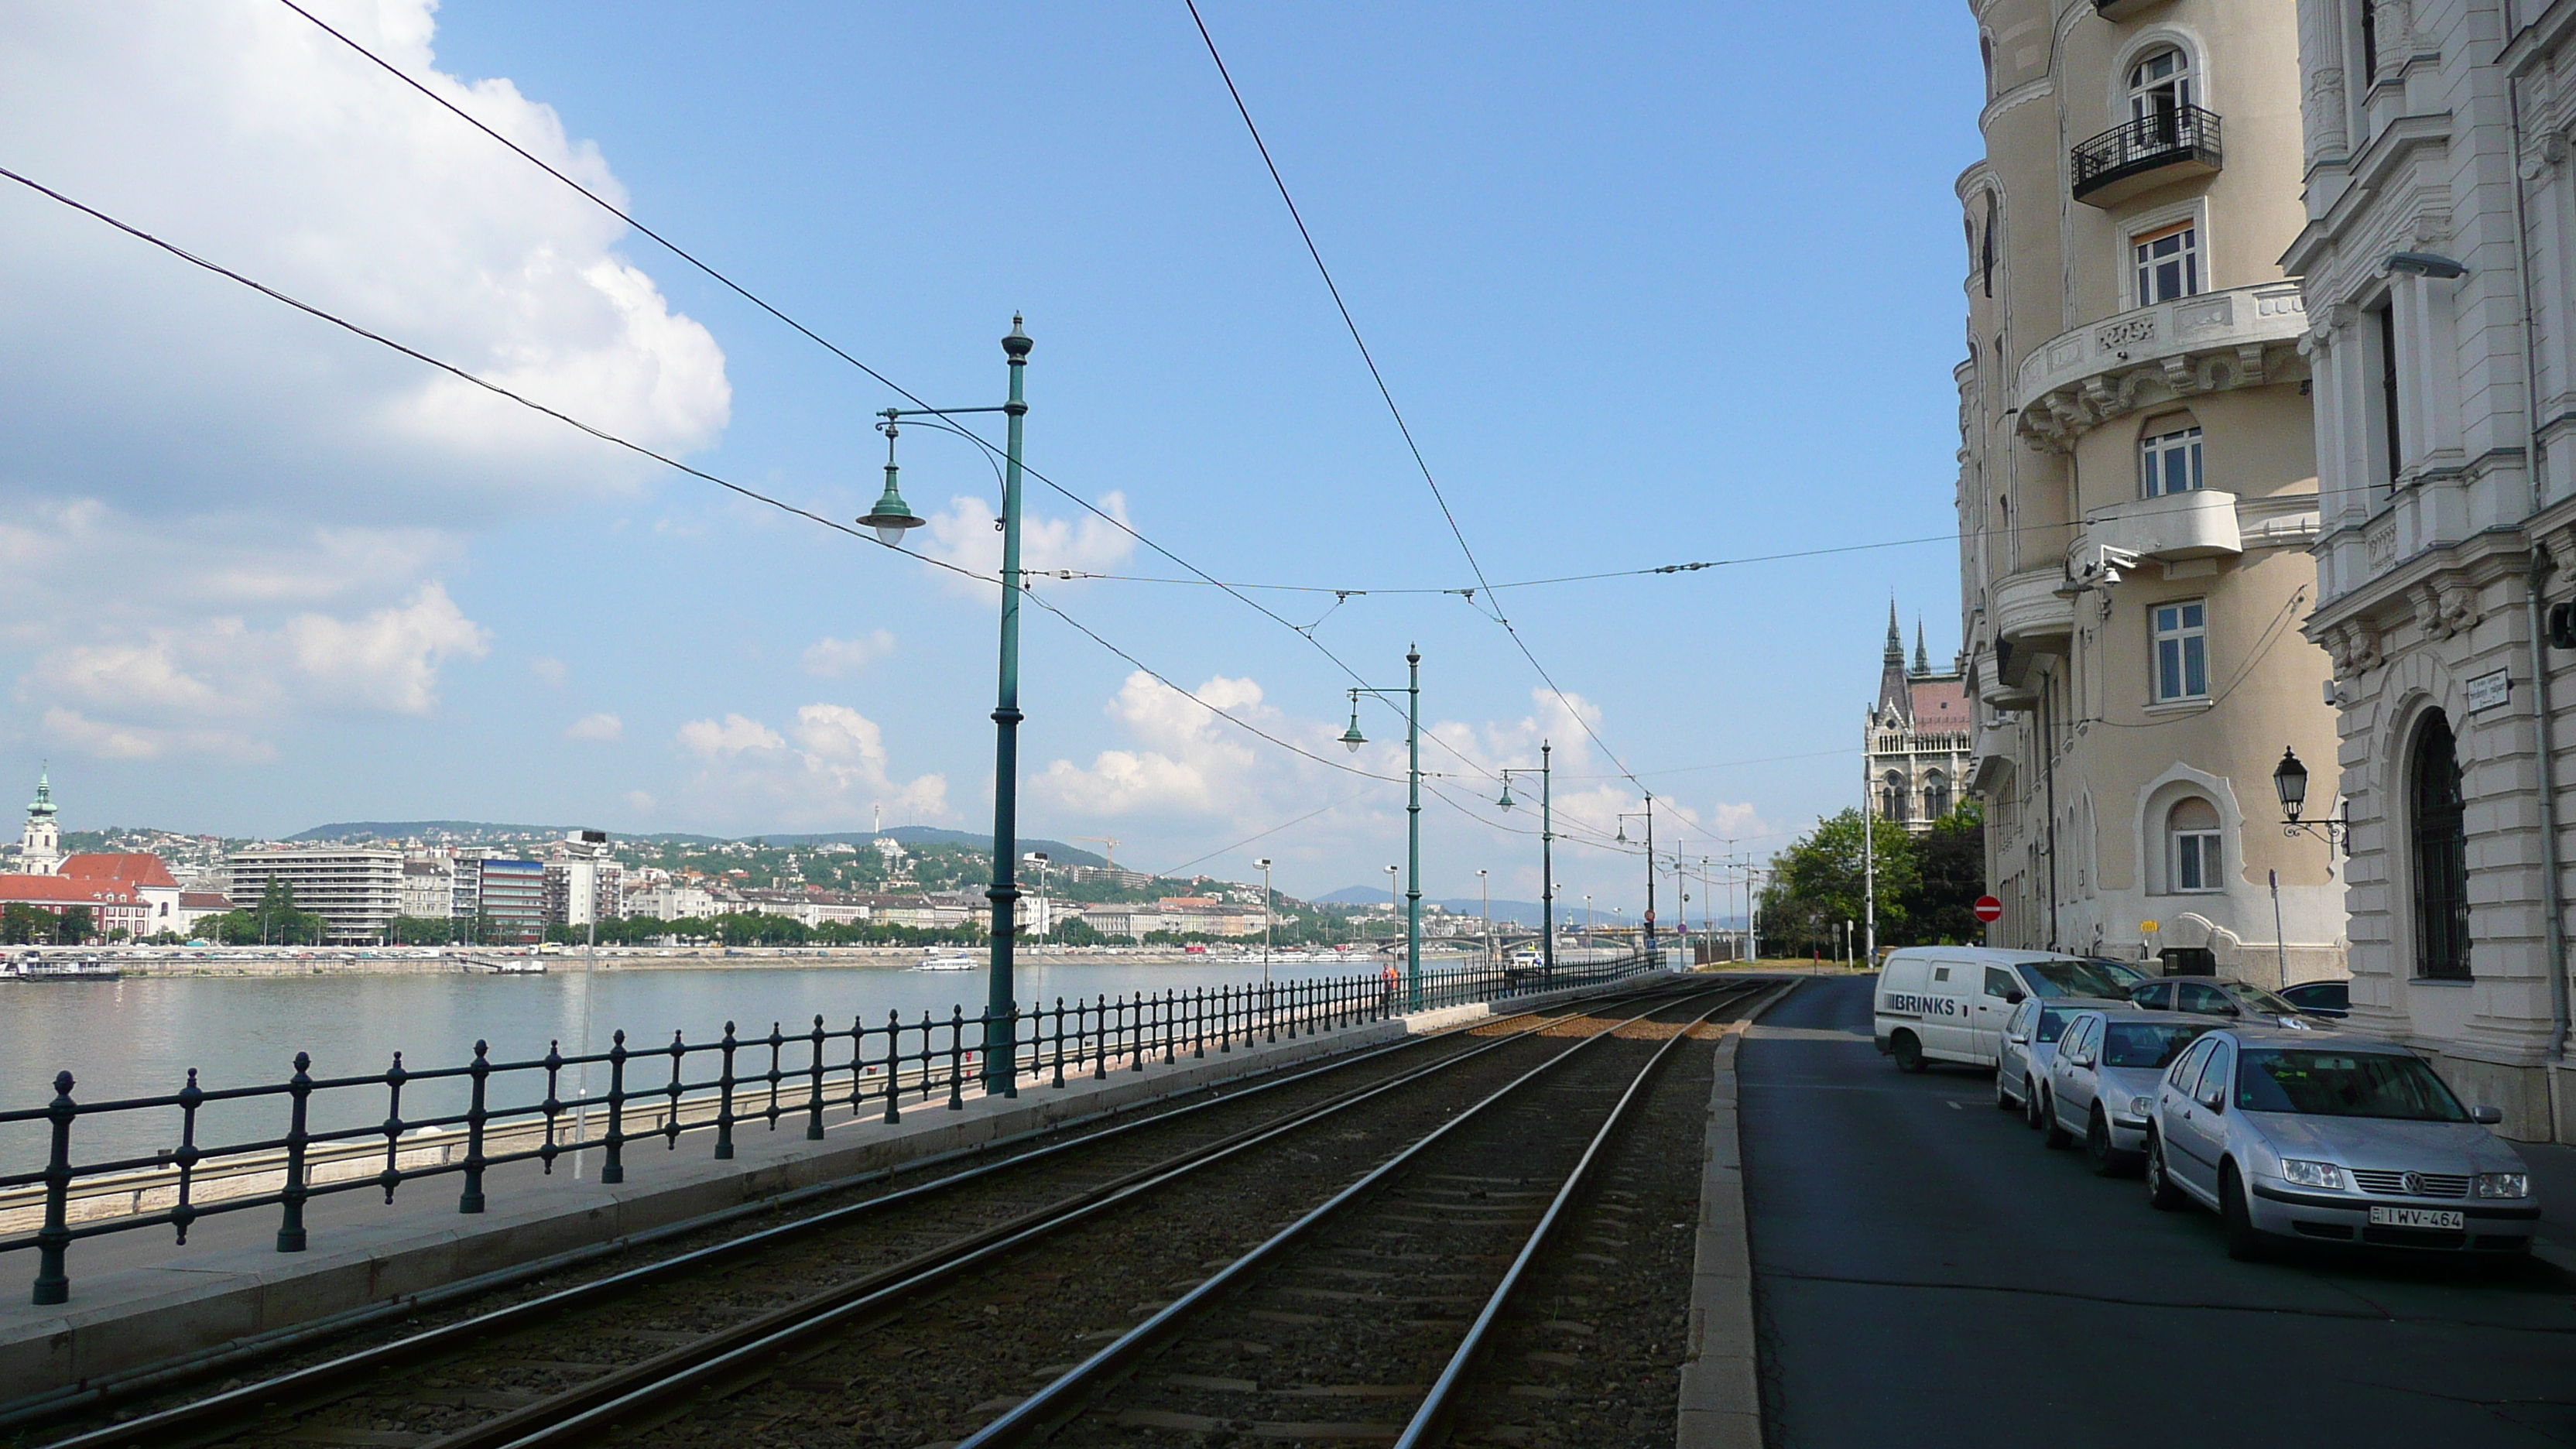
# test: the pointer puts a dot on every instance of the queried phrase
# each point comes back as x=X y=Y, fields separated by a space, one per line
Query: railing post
x=613 y=1169
x=858 y=1065
x=1140 y=1028
x=1198 y=1022
x=1171 y=1022
x=1100 y=1052
x=1224 y=1019
x=1269 y=1012
x=185 y=1212
x=671 y=1094
x=1059 y=1041
x=957 y=1057
x=391 y=1177
x=776 y=1043
x=471 y=1199
x=724 y=1097
x=553 y=1104
x=1011 y=1040
x=53 y=1284
x=290 y=1223
x=814 y=1094
x=893 y=1064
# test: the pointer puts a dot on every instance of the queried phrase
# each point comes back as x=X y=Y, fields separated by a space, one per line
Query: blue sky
x=1653 y=284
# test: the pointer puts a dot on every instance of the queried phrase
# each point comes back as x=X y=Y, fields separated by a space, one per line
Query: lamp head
x=1352 y=739
x=1623 y=832
x=1506 y=802
x=891 y=515
x=2290 y=781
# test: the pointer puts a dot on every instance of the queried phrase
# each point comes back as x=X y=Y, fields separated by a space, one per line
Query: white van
x=1948 y=1003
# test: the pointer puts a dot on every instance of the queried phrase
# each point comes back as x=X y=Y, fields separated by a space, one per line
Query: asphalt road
x=1928 y=1274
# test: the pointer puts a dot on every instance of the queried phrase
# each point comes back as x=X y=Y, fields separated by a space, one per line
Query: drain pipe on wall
x=2544 y=751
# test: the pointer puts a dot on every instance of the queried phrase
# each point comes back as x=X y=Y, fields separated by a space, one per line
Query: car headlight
x=2312 y=1174
x=2142 y=1107
x=2504 y=1184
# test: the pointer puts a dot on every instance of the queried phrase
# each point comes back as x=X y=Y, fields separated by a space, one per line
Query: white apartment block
x=2440 y=215
x=356 y=889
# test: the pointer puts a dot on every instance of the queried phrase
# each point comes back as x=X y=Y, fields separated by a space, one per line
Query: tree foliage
x=1927 y=884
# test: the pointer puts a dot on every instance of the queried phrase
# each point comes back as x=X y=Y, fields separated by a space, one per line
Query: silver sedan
x=2101 y=1085
x=2338 y=1139
x=2029 y=1043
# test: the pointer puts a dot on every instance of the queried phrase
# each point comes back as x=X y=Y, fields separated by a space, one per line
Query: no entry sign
x=1989 y=909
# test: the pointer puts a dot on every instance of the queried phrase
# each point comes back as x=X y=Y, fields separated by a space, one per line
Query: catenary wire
x=821 y=341
x=666 y=460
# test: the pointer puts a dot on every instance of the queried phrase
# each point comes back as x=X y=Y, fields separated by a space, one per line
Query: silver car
x=2029 y=1044
x=2101 y=1082
x=2333 y=1138
x=2216 y=996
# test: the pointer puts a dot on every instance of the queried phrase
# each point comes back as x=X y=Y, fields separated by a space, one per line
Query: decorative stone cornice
x=2243 y=337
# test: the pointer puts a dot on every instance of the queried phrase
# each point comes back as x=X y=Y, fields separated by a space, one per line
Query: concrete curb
x=1721 y=1389
x=127 y=1323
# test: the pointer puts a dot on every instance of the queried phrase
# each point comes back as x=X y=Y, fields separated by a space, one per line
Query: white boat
x=948 y=963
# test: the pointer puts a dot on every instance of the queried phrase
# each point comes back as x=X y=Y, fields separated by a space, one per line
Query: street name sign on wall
x=2490 y=690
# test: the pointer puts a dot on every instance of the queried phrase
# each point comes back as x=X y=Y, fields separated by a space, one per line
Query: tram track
x=520 y=1373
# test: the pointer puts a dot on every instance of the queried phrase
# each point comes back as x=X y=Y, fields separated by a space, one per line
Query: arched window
x=2438 y=832
x=1986 y=54
x=1986 y=255
x=1936 y=794
x=2160 y=86
x=1893 y=797
x=2169 y=455
x=2195 y=859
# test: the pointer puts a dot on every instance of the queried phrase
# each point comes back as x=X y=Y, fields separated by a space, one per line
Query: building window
x=2182 y=650
x=1987 y=255
x=2369 y=44
x=1936 y=795
x=2441 y=849
x=2386 y=320
x=2168 y=264
x=2169 y=457
x=2194 y=859
x=1893 y=797
x=2159 y=88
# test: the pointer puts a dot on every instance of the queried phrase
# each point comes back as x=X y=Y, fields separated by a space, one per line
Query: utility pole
x=1868 y=874
x=1485 y=895
x=1264 y=863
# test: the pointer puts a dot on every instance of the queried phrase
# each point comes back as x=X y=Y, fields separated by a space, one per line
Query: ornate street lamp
x=1546 y=854
x=2290 y=782
x=1352 y=737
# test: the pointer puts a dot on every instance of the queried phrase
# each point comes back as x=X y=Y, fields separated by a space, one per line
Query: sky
x=1651 y=284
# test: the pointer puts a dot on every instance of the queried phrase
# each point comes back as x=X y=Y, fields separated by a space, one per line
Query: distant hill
x=1057 y=850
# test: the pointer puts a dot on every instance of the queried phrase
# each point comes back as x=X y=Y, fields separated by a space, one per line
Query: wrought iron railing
x=2186 y=132
x=517 y=1111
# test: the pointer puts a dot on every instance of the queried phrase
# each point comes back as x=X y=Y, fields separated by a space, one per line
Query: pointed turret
x=1895 y=703
x=1895 y=638
x=1922 y=659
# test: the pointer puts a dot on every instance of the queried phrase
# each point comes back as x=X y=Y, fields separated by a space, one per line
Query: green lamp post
x=1413 y=814
x=891 y=517
x=1546 y=854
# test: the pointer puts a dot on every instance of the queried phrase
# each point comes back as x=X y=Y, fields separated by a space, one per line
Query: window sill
x=2174 y=707
x=2442 y=981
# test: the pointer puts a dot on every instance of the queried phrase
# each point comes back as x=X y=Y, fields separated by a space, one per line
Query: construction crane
x=1109 y=848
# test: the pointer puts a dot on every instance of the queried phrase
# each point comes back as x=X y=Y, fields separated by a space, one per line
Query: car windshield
x=2052 y=1024
x=2344 y=1084
x=2071 y=978
x=2258 y=999
x=2147 y=1043
x=2120 y=971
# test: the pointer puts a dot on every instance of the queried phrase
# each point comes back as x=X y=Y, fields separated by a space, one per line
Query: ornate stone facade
x=1914 y=749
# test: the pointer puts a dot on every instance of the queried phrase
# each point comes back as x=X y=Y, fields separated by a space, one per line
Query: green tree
x=76 y=926
x=1819 y=883
x=1951 y=860
x=23 y=925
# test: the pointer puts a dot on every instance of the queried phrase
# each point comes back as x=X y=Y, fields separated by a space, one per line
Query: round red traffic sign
x=1989 y=909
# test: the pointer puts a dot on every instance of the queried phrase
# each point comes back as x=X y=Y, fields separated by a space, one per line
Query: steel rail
x=218 y=1416
x=1430 y=1421
x=1043 y=1410
x=648 y=1385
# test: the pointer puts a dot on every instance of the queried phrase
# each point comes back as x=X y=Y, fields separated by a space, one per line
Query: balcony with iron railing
x=2157 y=149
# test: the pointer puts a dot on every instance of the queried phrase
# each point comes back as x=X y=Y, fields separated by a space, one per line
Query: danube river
x=138 y=1037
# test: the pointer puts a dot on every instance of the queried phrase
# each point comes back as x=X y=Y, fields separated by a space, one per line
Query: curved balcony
x=2031 y=615
x=2199 y=524
x=2151 y=356
x=2151 y=151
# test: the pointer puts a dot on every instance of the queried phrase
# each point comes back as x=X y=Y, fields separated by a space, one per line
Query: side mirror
x=2016 y=996
x=2486 y=1116
x=2215 y=1099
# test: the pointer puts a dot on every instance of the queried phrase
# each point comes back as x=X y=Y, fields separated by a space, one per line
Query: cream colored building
x=2440 y=211
x=2137 y=488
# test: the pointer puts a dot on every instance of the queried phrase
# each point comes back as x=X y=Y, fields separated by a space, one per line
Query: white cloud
x=965 y=536
x=216 y=513
x=833 y=658
x=548 y=670
x=826 y=772
x=601 y=727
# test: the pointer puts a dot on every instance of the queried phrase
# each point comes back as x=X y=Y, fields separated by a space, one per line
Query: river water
x=139 y=1037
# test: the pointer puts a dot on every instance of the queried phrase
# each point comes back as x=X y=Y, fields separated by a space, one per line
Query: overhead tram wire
x=1386 y=393
x=665 y=460
x=821 y=341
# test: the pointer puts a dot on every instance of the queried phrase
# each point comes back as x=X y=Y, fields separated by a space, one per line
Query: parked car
x=2127 y=973
x=1948 y=1003
x=2320 y=998
x=2030 y=1043
x=2101 y=1080
x=2288 y=1135
x=2213 y=996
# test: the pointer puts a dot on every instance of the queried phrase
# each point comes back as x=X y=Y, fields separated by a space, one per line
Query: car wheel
x=2098 y=1153
x=2049 y=1131
x=2161 y=1192
x=2245 y=1242
x=2030 y=1117
x=1907 y=1051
